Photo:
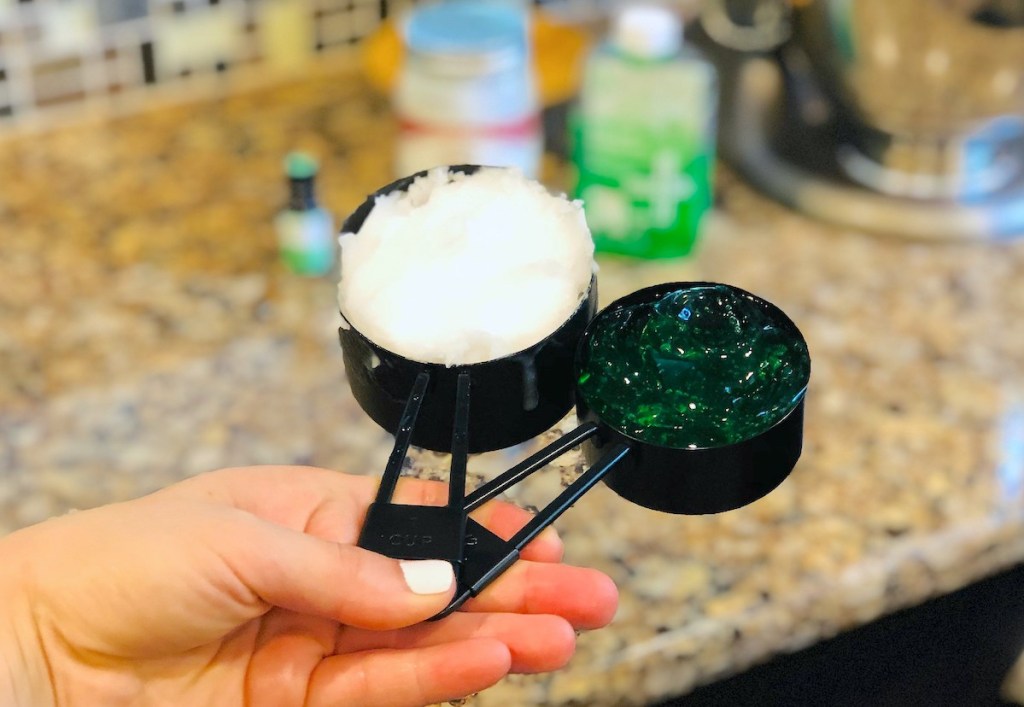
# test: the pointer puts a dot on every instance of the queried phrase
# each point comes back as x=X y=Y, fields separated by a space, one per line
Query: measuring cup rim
x=433 y=365
x=660 y=290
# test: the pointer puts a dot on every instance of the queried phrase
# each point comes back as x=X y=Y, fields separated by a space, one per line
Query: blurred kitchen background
x=173 y=173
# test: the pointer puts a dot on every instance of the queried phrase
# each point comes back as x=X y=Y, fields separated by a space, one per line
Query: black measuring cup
x=515 y=397
x=696 y=480
x=459 y=409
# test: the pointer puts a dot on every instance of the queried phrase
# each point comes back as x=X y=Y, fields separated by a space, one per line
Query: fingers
x=505 y=520
x=501 y=518
x=409 y=677
x=536 y=643
x=287 y=649
x=316 y=580
x=311 y=575
x=332 y=505
x=584 y=597
x=325 y=503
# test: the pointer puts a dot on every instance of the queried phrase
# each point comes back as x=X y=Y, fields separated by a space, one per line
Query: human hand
x=244 y=586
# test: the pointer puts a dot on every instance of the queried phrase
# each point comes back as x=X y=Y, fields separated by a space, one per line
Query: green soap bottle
x=644 y=137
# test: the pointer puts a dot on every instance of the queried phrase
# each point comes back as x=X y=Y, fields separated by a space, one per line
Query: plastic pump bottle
x=644 y=135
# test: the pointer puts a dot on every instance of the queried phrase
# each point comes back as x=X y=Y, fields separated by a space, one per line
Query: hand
x=244 y=586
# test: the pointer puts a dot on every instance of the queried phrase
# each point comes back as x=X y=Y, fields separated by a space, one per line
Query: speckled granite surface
x=147 y=333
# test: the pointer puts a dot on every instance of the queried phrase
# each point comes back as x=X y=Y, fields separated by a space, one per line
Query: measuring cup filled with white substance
x=463 y=294
x=465 y=269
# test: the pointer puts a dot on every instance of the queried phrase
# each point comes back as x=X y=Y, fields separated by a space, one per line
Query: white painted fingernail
x=427 y=576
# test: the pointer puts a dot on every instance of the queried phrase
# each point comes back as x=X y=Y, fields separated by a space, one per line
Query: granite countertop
x=147 y=333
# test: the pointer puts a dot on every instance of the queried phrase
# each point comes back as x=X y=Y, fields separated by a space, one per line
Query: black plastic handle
x=520 y=471
x=487 y=556
x=409 y=532
x=403 y=435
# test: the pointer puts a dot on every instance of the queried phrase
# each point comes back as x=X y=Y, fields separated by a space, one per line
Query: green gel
x=703 y=366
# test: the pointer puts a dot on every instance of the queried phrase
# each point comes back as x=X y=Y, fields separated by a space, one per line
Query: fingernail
x=427 y=576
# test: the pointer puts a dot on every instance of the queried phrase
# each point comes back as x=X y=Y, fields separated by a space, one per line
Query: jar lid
x=647 y=31
x=470 y=36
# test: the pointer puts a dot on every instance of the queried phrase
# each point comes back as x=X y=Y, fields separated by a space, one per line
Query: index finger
x=502 y=518
x=332 y=505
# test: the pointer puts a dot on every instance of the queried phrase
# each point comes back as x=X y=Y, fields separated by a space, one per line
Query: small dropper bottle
x=305 y=231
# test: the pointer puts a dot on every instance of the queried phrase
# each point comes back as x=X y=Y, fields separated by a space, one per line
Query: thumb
x=356 y=587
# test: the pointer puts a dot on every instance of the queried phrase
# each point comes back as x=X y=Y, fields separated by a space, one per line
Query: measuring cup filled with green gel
x=705 y=382
x=690 y=400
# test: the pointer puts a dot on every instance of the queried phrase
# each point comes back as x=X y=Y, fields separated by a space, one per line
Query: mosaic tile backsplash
x=65 y=59
x=60 y=57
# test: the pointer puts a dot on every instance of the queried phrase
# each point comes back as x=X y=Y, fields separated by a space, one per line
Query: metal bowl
x=934 y=89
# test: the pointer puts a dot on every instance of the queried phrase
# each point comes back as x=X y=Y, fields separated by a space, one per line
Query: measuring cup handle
x=569 y=496
x=487 y=556
x=460 y=444
x=520 y=471
x=402 y=437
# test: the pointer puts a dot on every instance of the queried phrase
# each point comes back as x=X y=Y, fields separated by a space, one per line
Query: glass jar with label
x=466 y=93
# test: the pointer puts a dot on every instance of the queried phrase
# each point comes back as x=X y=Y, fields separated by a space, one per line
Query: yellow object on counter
x=558 y=54
x=287 y=35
